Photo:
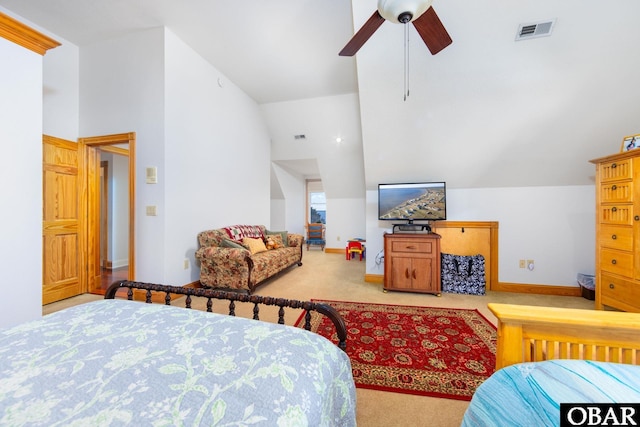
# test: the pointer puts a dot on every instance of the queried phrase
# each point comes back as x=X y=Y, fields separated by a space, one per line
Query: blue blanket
x=116 y=362
x=529 y=394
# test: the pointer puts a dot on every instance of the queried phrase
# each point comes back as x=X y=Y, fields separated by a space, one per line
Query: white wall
x=21 y=191
x=121 y=90
x=341 y=165
x=119 y=175
x=554 y=226
x=208 y=141
x=61 y=91
x=292 y=206
x=217 y=156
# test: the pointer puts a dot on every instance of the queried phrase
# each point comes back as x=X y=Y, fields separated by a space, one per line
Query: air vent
x=535 y=30
x=301 y=136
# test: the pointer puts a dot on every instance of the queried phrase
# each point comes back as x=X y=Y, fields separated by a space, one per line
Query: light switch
x=152 y=210
x=152 y=175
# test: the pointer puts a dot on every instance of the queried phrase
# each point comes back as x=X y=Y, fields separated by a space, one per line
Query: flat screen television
x=412 y=201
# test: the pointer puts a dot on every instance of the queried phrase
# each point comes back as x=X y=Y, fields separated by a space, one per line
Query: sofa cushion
x=255 y=245
x=239 y=232
x=281 y=233
x=228 y=243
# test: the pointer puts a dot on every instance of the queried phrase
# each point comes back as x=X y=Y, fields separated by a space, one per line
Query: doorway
x=110 y=171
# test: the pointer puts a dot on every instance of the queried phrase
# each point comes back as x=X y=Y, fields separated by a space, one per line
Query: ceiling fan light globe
x=391 y=10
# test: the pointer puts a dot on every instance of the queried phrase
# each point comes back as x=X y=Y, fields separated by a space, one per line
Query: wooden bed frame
x=232 y=297
x=531 y=334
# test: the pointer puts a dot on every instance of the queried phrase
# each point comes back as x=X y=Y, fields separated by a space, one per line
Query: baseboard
x=194 y=285
x=374 y=278
x=334 y=250
x=568 y=291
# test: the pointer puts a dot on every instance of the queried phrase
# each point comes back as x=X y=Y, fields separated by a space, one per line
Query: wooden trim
x=334 y=250
x=567 y=291
x=530 y=334
x=492 y=280
x=25 y=36
x=374 y=278
x=90 y=145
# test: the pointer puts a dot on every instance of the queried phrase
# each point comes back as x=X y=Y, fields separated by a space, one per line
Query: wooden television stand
x=412 y=262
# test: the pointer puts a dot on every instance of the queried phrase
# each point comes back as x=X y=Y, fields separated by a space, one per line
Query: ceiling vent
x=535 y=30
x=301 y=136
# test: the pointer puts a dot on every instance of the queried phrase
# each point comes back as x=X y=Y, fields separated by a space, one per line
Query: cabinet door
x=401 y=273
x=412 y=274
x=422 y=275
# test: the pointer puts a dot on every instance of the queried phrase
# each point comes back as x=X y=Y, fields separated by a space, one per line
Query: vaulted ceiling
x=501 y=112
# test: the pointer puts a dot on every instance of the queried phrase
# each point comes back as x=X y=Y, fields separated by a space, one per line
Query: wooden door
x=401 y=273
x=62 y=224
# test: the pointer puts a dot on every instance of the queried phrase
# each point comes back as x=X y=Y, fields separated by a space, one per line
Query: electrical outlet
x=185 y=264
x=338 y=238
x=522 y=264
x=530 y=264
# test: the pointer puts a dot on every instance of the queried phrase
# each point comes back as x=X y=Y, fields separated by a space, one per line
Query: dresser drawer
x=618 y=262
x=619 y=169
x=619 y=289
x=409 y=246
x=616 y=237
x=616 y=192
x=621 y=214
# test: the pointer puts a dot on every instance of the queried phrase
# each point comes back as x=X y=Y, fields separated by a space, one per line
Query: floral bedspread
x=117 y=362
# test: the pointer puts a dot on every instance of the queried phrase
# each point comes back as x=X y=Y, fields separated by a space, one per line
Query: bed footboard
x=531 y=334
x=232 y=297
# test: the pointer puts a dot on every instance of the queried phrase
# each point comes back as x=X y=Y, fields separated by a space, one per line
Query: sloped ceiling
x=486 y=112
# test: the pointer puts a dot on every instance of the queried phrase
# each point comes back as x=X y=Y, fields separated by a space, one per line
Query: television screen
x=416 y=201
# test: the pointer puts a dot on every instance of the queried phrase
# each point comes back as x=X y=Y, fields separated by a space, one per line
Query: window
x=316 y=202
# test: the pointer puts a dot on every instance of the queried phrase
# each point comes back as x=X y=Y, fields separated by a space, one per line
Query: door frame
x=90 y=148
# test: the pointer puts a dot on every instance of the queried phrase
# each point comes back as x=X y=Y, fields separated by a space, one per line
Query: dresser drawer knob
x=614 y=209
x=614 y=187
x=637 y=217
x=613 y=261
x=611 y=286
x=614 y=237
x=613 y=165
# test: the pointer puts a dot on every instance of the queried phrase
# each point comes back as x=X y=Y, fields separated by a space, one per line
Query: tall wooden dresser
x=412 y=262
x=618 y=231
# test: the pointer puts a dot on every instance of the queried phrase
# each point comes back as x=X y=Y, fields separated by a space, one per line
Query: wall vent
x=535 y=29
x=301 y=136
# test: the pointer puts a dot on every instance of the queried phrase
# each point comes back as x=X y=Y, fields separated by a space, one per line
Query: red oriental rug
x=441 y=352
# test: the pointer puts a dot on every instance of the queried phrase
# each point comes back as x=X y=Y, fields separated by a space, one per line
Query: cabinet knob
x=614 y=187
x=614 y=209
x=613 y=261
x=614 y=237
x=611 y=286
x=414 y=274
x=406 y=273
x=637 y=217
x=613 y=165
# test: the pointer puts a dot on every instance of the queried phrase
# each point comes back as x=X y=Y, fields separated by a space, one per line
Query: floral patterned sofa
x=233 y=257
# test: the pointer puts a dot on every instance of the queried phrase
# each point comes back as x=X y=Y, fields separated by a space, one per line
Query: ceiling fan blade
x=432 y=31
x=363 y=34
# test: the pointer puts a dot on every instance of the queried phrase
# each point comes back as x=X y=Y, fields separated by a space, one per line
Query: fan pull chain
x=406 y=62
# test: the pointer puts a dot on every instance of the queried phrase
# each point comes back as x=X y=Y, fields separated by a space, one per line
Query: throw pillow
x=284 y=234
x=228 y=243
x=277 y=240
x=255 y=245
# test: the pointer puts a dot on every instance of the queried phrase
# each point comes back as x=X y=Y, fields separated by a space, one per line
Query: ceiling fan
x=419 y=12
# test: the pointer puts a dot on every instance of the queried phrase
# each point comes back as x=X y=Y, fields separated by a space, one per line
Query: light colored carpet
x=330 y=276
